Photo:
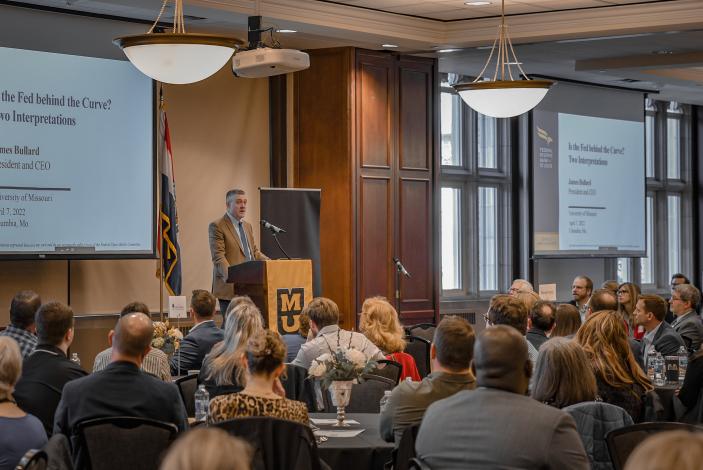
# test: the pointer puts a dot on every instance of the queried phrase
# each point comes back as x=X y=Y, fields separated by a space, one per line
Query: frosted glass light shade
x=178 y=58
x=503 y=98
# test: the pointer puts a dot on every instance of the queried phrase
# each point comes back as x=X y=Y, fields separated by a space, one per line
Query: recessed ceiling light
x=663 y=52
x=448 y=50
x=286 y=31
x=389 y=45
x=477 y=4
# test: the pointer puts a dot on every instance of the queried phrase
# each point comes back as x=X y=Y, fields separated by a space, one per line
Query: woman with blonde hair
x=379 y=323
x=265 y=355
x=208 y=448
x=222 y=370
x=619 y=377
x=628 y=293
x=562 y=374
x=682 y=450
x=568 y=321
x=19 y=431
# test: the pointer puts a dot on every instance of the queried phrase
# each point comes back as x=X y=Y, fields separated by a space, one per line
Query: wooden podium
x=280 y=288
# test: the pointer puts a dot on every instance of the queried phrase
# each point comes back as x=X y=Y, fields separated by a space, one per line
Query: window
x=451 y=238
x=649 y=131
x=674 y=233
x=623 y=270
x=647 y=264
x=673 y=142
x=475 y=186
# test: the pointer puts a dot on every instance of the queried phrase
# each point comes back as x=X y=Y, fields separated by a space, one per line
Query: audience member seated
x=202 y=336
x=22 y=329
x=611 y=286
x=496 y=425
x=223 y=370
x=48 y=369
x=690 y=393
x=528 y=298
x=619 y=377
x=19 y=431
x=628 y=293
x=540 y=323
x=155 y=362
x=121 y=389
x=601 y=300
x=680 y=450
x=208 y=448
x=328 y=336
x=676 y=279
x=563 y=376
x=520 y=286
x=581 y=290
x=263 y=395
x=685 y=299
x=650 y=312
x=231 y=305
x=568 y=321
x=379 y=323
x=451 y=353
x=511 y=311
x=295 y=340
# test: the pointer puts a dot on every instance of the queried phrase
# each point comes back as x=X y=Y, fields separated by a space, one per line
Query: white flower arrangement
x=342 y=365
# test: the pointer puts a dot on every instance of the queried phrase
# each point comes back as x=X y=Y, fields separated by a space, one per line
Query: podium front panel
x=288 y=290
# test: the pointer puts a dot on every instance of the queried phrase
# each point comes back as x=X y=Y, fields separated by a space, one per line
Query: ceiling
x=654 y=45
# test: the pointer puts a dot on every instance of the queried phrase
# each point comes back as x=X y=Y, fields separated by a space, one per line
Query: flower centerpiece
x=166 y=338
x=337 y=371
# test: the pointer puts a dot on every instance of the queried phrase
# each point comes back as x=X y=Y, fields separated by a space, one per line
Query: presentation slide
x=589 y=186
x=76 y=157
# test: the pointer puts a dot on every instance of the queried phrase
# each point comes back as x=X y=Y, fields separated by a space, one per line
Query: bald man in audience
x=496 y=425
x=122 y=389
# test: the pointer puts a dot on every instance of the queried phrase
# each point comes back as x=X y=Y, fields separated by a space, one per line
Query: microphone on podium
x=401 y=269
x=272 y=227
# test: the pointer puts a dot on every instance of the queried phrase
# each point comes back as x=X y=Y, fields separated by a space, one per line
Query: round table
x=364 y=451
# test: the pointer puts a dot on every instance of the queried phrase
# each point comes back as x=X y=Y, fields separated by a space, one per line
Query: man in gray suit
x=496 y=425
x=650 y=312
x=684 y=301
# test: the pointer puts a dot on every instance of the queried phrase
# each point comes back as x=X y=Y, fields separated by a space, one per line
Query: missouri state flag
x=168 y=218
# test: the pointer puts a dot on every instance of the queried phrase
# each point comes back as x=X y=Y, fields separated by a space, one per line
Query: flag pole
x=158 y=208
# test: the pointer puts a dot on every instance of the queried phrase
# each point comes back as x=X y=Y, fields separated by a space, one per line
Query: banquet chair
x=186 y=388
x=277 y=444
x=123 y=442
x=417 y=464
x=33 y=459
x=419 y=349
x=621 y=442
x=405 y=452
x=365 y=396
x=389 y=369
x=299 y=386
x=58 y=451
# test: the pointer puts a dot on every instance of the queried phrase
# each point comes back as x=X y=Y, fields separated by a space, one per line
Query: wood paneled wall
x=366 y=134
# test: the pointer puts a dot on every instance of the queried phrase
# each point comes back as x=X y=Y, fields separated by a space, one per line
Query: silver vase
x=340 y=390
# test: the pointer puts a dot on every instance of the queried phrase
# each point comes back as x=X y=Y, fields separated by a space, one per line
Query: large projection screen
x=588 y=173
x=77 y=157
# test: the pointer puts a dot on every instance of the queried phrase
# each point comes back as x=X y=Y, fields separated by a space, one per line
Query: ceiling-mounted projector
x=267 y=62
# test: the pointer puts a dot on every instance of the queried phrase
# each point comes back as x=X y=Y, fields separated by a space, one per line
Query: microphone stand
x=275 y=237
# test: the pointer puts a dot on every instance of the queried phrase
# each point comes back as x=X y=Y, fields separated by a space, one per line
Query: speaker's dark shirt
x=44 y=374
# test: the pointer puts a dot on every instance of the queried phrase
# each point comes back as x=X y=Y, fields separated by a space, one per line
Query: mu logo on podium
x=289 y=304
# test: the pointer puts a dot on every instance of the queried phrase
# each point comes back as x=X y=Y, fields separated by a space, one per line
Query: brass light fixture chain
x=179 y=26
x=485 y=66
x=158 y=18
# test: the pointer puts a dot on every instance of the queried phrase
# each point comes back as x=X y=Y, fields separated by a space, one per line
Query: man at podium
x=231 y=242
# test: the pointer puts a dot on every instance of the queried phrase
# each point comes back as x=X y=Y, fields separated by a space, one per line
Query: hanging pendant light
x=503 y=96
x=177 y=57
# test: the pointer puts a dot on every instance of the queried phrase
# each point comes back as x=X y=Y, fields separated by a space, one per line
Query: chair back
x=365 y=396
x=33 y=459
x=621 y=442
x=299 y=386
x=419 y=349
x=187 y=386
x=594 y=420
x=58 y=450
x=278 y=444
x=406 y=448
x=123 y=442
x=389 y=369
x=422 y=330
x=417 y=464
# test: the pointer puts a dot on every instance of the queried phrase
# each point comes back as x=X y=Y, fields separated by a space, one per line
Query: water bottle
x=76 y=359
x=202 y=403
x=384 y=399
x=659 y=372
x=683 y=364
x=651 y=359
